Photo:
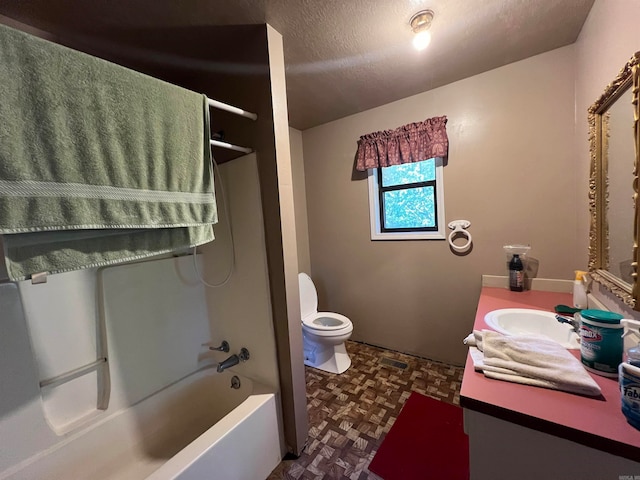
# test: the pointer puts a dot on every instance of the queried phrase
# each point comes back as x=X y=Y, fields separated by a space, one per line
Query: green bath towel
x=98 y=163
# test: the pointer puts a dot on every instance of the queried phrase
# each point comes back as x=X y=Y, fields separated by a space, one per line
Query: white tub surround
x=164 y=407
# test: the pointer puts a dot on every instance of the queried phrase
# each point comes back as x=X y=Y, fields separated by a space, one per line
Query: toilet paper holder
x=459 y=228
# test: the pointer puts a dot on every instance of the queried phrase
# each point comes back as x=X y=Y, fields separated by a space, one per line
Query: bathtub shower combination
x=170 y=413
x=106 y=373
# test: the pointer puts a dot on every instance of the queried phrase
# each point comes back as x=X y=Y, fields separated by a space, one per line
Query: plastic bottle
x=629 y=376
x=632 y=355
x=516 y=274
x=580 y=290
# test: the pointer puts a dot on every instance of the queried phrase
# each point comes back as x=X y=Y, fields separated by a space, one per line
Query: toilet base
x=332 y=358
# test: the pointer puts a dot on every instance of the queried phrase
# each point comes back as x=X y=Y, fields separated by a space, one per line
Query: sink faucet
x=234 y=359
x=570 y=321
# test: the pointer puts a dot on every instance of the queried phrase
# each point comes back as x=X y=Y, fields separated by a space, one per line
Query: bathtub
x=198 y=428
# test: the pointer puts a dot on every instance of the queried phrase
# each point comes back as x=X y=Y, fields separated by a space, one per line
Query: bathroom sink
x=523 y=321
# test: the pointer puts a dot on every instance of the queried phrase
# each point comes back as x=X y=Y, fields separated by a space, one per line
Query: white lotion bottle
x=580 y=290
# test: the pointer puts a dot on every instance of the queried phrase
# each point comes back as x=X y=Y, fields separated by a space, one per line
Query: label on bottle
x=600 y=347
x=630 y=393
x=516 y=280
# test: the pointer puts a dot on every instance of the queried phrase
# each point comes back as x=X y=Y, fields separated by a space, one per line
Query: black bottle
x=516 y=274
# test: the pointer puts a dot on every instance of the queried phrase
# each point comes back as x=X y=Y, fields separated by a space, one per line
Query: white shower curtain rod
x=232 y=109
x=237 y=111
x=229 y=146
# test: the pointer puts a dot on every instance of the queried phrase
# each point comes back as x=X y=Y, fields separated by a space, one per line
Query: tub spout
x=235 y=359
x=229 y=362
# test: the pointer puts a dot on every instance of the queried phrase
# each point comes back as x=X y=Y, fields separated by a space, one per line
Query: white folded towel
x=474 y=339
x=531 y=361
x=478 y=358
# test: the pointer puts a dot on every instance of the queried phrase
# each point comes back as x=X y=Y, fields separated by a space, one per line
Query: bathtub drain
x=235 y=382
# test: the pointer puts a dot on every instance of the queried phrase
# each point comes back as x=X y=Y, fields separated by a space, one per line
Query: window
x=406 y=201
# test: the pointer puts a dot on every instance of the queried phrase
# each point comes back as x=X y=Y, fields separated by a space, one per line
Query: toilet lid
x=308 y=295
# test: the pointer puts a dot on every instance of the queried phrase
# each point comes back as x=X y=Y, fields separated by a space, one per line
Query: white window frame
x=374 y=210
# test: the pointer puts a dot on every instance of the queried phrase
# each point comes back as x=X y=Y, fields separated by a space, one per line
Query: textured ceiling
x=342 y=56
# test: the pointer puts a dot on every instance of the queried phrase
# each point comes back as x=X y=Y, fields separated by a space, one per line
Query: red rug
x=426 y=442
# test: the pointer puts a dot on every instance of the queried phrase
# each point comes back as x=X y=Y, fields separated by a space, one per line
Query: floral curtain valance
x=410 y=143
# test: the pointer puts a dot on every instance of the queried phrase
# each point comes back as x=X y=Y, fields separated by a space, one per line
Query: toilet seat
x=327 y=324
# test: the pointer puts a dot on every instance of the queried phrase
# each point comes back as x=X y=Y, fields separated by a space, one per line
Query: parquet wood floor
x=349 y=414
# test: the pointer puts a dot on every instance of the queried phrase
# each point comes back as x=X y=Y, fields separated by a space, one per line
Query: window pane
x=410 y=208
x=409 y=173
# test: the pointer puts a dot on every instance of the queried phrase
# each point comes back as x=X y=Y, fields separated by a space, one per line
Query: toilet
x=323 y=333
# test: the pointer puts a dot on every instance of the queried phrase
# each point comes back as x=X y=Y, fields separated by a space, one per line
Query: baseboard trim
x=540 y=284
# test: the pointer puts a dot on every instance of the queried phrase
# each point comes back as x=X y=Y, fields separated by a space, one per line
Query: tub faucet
x=234 y=359
x=224 y=347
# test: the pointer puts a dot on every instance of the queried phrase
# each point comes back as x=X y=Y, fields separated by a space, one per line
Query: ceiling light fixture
x=420 y=24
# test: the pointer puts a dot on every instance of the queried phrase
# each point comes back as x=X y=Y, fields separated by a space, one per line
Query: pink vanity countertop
x=595 y=422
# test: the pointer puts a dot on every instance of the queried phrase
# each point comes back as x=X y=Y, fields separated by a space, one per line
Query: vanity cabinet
x=504 y=450
x=531 y=433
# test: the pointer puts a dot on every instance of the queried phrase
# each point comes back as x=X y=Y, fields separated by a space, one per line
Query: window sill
x=408 y=236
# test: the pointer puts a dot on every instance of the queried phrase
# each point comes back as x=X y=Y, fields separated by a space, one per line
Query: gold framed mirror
x=614 y=138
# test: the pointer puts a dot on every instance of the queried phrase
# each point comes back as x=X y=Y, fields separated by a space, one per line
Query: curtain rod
x=232 y=109
x=229 y=146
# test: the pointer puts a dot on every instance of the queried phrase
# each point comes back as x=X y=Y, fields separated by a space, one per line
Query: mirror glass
x=614 y=134
x=620 y=207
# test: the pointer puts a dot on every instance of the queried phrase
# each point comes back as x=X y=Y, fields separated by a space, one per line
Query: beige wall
x=510 y=173
x=608 y=39
x=300 y=200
